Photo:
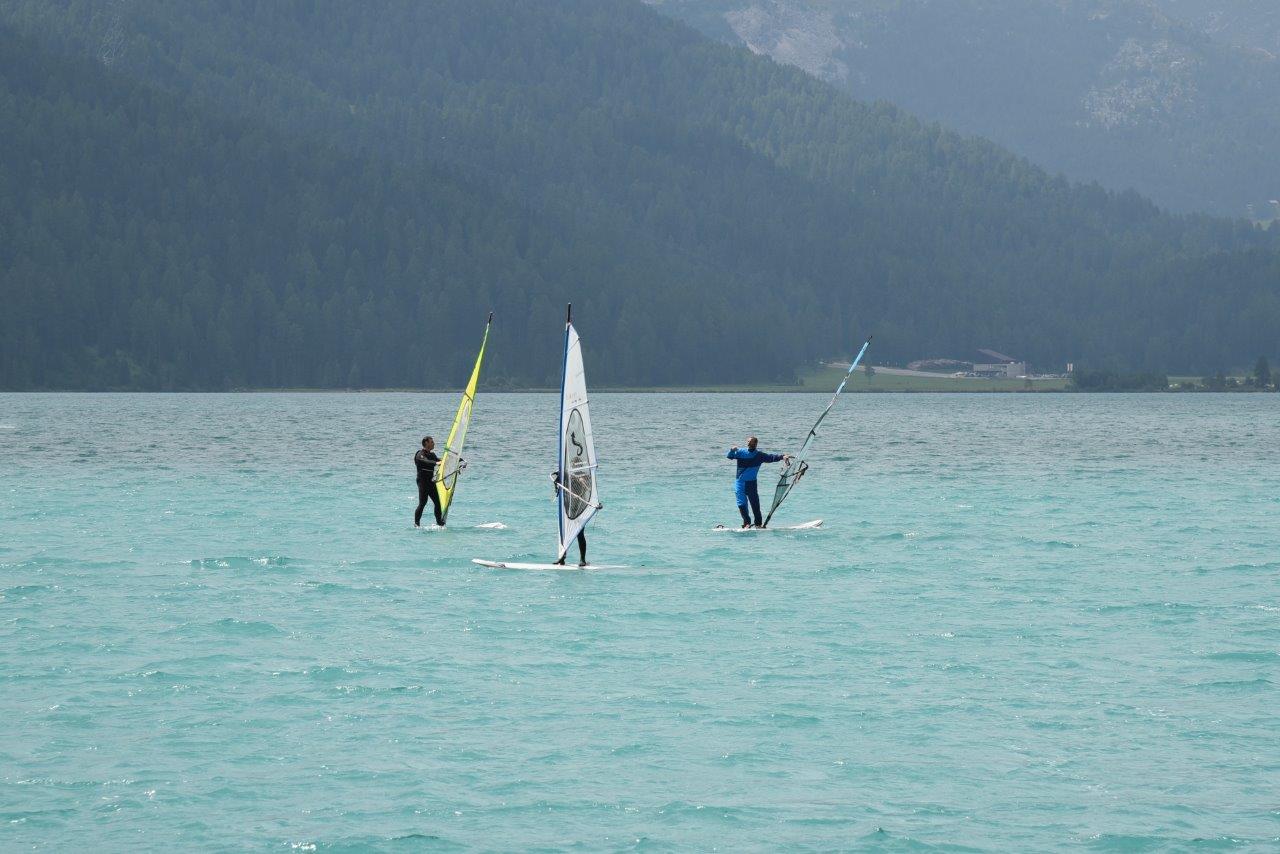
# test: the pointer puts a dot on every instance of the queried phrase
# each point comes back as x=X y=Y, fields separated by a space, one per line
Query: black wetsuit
x=425 y=461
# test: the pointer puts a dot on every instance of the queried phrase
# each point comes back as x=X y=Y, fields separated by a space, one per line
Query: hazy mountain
x=1245 y=23
x=310 y=193
x=1172 y=97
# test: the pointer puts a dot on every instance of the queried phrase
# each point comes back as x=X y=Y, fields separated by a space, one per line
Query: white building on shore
x=999 y=365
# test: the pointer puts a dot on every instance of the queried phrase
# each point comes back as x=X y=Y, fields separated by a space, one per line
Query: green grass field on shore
x=822 y=378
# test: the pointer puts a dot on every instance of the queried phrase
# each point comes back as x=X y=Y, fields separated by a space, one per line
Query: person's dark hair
x=752 y=441
x=425 y=440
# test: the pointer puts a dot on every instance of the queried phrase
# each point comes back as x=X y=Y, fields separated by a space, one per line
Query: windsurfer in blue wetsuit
x=745 y=487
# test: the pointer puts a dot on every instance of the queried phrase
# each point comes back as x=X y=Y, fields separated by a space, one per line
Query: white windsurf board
x=811 y=525
x=505 y=564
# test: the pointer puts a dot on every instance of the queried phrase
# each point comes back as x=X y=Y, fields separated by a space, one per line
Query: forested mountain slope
x=304 y=193
x=158 y=243
x=1175 y=98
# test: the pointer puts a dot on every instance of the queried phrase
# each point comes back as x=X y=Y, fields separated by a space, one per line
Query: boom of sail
x=577 y=498
x=452 y=463
x=796 y=468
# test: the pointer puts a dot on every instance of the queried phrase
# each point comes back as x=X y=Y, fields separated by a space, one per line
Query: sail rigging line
x=795 y=469
x=452 y=462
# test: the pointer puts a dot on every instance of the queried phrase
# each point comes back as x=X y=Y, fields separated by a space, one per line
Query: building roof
x=999 y=357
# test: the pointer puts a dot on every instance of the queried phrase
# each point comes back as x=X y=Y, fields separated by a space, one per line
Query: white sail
x=576 y=494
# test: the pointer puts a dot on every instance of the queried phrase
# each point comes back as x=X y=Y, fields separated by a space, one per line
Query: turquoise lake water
x=1029 y=623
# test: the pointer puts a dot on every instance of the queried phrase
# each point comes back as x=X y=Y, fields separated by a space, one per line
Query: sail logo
x=578 y=472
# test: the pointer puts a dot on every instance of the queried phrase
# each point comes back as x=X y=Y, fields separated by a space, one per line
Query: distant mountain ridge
x=267 y=194
x=1244 y=23
x=1176 y=98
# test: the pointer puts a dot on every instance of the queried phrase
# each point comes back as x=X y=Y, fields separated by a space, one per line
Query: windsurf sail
x=452 y=463
x=796 y=468
x=576 y=497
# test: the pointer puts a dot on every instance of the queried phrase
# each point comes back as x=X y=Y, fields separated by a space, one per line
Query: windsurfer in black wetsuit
x=425 y=461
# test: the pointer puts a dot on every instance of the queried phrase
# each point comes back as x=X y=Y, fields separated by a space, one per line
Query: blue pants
x=748 y=490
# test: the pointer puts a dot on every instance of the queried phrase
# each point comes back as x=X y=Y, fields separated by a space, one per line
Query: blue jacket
x=749 y=462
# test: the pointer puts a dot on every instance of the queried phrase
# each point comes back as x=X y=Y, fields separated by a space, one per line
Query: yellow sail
x=452 y=462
